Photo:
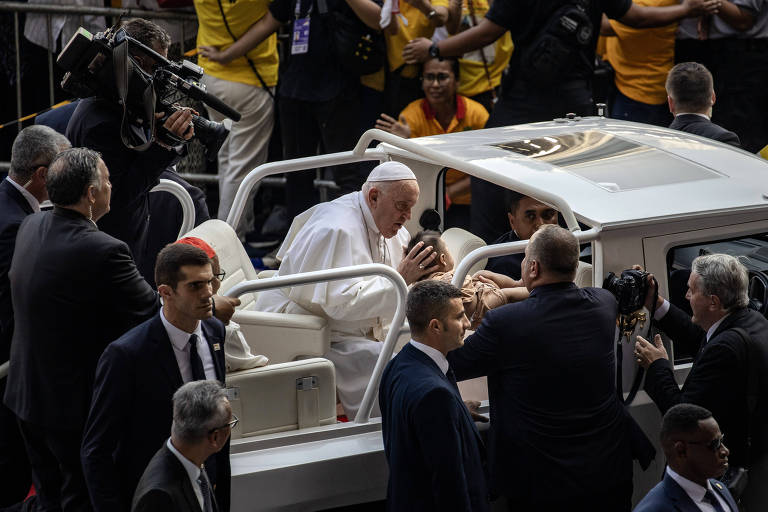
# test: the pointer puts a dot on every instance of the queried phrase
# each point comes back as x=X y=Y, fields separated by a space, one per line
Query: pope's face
x=391 y=206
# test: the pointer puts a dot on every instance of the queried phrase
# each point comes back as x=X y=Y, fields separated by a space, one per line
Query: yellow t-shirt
x=473 y=79
x=470 y=115
x=642 y=58
x=240 y=16
x=418 y=26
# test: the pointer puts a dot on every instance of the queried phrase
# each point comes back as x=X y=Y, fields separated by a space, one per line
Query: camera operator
x=725 y=362
x=96 y=124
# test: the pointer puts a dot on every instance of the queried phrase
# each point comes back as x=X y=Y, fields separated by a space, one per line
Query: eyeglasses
x=231 y=424
x=712 y=445
x=220 y=275
x=441 y=78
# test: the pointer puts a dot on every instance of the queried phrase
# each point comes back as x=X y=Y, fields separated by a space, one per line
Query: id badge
x=300 y=41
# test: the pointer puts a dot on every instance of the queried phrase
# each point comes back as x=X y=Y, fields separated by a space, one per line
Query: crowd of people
x=117 y=394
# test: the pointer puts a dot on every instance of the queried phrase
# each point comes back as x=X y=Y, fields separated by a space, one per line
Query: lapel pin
x=216 y=346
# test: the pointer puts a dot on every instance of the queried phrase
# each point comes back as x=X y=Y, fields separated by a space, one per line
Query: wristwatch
x=434 y=51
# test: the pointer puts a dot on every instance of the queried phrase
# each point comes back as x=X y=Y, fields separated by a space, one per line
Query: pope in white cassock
x=357 y=228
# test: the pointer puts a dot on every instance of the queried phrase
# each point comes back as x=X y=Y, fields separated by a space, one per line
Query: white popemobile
x=635 y=194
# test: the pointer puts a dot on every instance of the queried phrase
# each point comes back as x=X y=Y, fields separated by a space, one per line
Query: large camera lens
x=211 y=134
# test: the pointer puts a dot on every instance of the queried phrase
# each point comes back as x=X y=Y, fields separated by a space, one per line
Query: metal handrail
x=370 y=269
x=187 y=205
x=296 y=164
x=445 y=160
x=490 y=251
x=175 y=15
x=4 y=369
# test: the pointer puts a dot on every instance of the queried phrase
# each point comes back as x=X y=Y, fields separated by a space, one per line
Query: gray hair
x=725 y=276
x=382 y=186
x=71 y=173
x=198 y=407
x=35 y=146
x=556 y=249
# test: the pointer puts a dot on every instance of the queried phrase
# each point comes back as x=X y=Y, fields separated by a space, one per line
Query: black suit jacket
x=165 y=486
x=96 y=125
x=509 y=264
x=13 y=209
x=75 y=289
x=667 y=496
x=558 y=430
x=132 y=411
x=717 y=379
x=698 y=125
x=433 y=448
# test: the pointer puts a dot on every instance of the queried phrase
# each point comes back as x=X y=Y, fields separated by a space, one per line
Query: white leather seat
x=279 y=336
x=583 y=275
x=461 y=242
x=284 y=396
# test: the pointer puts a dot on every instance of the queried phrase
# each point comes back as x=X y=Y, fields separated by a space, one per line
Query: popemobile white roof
x=610 y=172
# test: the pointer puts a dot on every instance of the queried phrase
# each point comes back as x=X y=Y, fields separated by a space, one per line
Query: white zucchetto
x=391 y=171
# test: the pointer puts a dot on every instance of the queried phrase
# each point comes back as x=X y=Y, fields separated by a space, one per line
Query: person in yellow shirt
x=442 y=110
x=417 y=18
x=641 y=59
x=246 y=84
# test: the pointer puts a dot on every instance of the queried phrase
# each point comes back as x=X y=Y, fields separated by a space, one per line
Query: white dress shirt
x=193 y=471
x=180 y=342
x=697 y=492
x=433 y=354
x=32 y=200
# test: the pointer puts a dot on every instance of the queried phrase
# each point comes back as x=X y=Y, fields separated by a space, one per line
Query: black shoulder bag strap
x=122 y=68
x=250 y=62
x=752 y=387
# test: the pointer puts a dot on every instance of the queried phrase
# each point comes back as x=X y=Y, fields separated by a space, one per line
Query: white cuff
x=663 y=309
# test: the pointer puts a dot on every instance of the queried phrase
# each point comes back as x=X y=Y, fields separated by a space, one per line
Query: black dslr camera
x=630 y=289
x=104 y=65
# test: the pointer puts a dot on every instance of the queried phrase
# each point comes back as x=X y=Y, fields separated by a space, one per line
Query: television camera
x=104 y=64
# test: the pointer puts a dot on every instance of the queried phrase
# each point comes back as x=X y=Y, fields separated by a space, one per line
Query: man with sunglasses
x=696 y=455
x=138 y=374
x=731 y=346
x=174 y=480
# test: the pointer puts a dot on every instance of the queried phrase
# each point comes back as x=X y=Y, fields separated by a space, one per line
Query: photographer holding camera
x=727 y=377
x=96 y=124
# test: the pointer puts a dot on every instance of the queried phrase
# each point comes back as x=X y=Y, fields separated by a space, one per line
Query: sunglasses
x=712 y=445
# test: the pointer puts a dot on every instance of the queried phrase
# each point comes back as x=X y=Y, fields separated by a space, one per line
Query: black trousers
x=14 y=465
x=56 y=468
x=311 y=128
x=520 y=104
x=613 y=499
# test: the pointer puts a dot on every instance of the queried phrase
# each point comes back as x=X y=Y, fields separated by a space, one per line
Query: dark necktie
x=710 y=497
x=198 y=373
x=205 y=490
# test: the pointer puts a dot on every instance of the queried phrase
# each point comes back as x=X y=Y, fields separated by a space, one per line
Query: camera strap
x=123 y=68
x=250 y=62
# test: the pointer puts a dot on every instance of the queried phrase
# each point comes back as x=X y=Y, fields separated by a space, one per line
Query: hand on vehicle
x=418 y=263
x=472 y=407
x=646 y=353
x=392 y=125
x=225 y=307
x=214 y=54
x=417 y=50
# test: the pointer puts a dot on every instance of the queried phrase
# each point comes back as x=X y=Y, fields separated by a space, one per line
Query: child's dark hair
x=429 y=237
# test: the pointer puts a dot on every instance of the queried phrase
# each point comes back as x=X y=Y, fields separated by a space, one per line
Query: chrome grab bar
x=335 y=274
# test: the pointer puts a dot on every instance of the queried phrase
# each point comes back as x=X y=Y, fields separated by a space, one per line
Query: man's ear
x=40 y=174
x=714 y=97
x=164 y=290
x=511 y=220
x=373 y=197
x=671 y=104
x=715 y=304
x=680 y=449
x=435 y=325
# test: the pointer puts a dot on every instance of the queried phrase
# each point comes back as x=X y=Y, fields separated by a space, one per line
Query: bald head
x=556 y=250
